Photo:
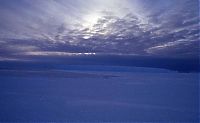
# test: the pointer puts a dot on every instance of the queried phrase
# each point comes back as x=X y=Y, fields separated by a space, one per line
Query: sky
x=65 y=28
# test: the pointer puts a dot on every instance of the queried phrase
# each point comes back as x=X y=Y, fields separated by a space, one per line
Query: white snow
x=143 y=95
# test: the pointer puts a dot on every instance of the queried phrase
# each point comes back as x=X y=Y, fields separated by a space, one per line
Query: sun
x=90 y=20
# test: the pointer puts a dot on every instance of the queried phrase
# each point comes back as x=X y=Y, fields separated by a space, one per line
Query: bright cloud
x=60 y=27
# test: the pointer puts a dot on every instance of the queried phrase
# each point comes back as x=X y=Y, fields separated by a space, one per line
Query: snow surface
x=125 y=94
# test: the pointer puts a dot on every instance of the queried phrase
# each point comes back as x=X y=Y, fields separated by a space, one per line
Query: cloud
x=59 y=27
x=52 y=53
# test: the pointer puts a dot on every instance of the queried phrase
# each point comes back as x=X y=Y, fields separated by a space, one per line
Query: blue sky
x=157 y=28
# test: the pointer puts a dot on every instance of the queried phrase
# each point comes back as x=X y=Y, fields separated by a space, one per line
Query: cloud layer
x=167 y=28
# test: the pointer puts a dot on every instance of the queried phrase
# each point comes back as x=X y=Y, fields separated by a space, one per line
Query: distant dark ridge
x=180 y=65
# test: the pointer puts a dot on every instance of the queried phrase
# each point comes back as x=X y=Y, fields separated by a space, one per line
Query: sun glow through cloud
x=100 y=26
x=91 y=19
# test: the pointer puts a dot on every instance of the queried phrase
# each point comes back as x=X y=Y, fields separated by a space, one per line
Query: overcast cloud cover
x=167 y=28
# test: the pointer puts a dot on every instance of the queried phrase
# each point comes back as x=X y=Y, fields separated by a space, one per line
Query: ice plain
x=99 y=94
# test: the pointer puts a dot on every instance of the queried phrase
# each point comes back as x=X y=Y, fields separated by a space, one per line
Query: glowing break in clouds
x=77 y=27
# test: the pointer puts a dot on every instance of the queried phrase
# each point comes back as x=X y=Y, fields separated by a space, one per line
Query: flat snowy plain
x=99 y=93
